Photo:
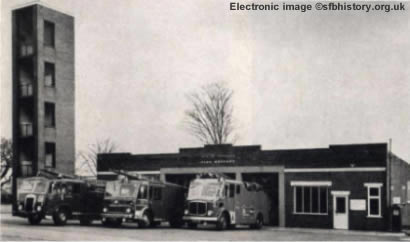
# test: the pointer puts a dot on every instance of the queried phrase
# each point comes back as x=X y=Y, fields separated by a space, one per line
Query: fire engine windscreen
x=204 y=189
x=118 y=189
x=32 y=186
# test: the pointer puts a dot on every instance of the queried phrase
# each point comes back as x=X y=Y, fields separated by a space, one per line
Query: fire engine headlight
x=210 y=212
x=38 y=208
x=138 y=213
x=40 y=199
x=20 y=207
x=105 y=210
x=128 y=210
x=186 y=212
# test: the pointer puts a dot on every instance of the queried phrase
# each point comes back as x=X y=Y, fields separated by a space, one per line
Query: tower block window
x=49 y=32
x=49 y=74
x=49 y=119
x=50 y=161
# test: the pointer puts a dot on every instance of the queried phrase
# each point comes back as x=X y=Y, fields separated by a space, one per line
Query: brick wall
x=341 y=181
x=400 y=180
x=62 y=55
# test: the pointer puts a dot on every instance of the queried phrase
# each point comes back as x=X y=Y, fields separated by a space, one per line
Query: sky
x=300 y=80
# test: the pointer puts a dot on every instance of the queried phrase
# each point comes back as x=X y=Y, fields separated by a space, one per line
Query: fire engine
x=144 y=201
x=59 y=196
x=216 y=199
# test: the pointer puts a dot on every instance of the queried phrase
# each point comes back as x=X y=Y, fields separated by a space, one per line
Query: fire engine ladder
x=129 y=176
x=54 y=175
x=214 y=175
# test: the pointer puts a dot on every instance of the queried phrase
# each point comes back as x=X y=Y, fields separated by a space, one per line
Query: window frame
x=309 y=185
x=370 y=197
x=53 y=33
x=53 y=119
x=145 y=188
x=157 y=193
x=53 y=68
x=408 y=192
x=231 y=190
x=46 y=145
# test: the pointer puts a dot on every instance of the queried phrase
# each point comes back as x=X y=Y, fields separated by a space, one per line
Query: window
x=69 y=188
x=373 y=199
x=49 y=119
x=340 y=205
x=310 y=199
x=26 y=169
x=231 y=190
x=26 y=49
x=157 y=193
x=408 y=191
x=142 y=193
x=76 y=188
x=49 y=74
x=150 y=192
x=26 y=90
x=26 y=129
x=238 y=189
x=48 y=33
x=50 y=155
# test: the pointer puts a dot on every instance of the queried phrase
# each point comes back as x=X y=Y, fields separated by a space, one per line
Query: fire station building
x=343 y=186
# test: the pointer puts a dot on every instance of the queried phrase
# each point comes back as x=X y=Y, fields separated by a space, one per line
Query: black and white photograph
x=205 y=120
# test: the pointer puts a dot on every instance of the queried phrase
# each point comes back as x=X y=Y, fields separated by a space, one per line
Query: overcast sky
x=300 y=80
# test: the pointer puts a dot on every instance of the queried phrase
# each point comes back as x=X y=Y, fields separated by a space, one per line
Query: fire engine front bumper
x=116 y=215
x=199 y=219
x=26 y=214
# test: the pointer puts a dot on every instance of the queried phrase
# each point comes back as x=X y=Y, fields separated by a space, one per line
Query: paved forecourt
x=14 y=228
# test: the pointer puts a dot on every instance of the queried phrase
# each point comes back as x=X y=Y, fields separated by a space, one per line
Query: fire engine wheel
x=34 y=219
x=60 y=217
x=147 y=220
x=258 y=222
x=222 y=222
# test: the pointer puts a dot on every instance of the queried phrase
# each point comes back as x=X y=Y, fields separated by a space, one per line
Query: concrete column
x=238 y=176
x=281 y=186
x=162 y=177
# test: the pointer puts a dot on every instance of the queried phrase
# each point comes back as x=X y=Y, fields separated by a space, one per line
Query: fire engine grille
x=29 y=204
x=117 y=209
x=197 y=208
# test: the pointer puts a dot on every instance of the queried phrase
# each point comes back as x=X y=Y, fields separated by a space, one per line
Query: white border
x=375 y=184
x=311 y=183
x=340 y=193
x=131 y=173
x=378 y=186
x=345 y=169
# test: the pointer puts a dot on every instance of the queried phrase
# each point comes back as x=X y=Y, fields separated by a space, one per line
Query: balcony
x=26 y=168
x=26 y=50
x=26 y=129
x=26 y=90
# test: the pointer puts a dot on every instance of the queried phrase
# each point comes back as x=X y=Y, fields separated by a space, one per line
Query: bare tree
x=6 y=149
x=88 y=158
x=210 y=117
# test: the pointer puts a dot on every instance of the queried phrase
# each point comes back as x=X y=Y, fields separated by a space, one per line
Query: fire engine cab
x=214 y=198
x=60 y=196
x=144 y=201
